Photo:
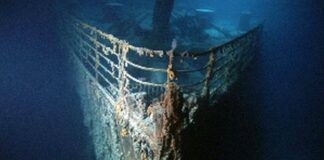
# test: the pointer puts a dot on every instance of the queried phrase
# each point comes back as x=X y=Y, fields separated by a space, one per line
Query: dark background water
x=274 y=112
x=40 y=116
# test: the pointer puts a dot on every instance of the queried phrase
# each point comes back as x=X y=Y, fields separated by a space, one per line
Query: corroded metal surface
x=137 y=101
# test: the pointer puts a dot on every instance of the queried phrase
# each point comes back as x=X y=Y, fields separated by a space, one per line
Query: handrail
x=93 y=39
x=221 y=46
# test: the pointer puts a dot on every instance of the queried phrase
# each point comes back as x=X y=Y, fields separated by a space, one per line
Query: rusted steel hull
x=131 y=117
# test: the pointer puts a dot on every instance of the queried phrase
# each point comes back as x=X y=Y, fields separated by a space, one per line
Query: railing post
x=97 y=58
x=209 y=74
x=122 y=51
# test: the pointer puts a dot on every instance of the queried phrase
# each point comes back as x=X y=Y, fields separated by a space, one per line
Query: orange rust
x=172 y=122
x=124 y=132
x=149 y=111
x=171 y=74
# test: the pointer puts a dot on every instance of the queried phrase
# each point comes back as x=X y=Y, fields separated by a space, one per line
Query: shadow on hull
x=229 y=130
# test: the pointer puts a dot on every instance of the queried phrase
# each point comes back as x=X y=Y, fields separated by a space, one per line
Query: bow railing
x=122 y=68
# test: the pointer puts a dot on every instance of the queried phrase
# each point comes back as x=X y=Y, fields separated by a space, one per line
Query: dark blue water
x=274 y=112
x=290 y=81
x=40 y=116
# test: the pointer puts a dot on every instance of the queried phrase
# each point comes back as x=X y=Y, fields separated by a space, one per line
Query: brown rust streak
x=172 y=123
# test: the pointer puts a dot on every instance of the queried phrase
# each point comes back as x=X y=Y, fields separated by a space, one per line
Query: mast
x=161 y=23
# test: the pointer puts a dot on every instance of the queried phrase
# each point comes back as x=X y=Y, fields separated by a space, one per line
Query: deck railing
x=122 y=68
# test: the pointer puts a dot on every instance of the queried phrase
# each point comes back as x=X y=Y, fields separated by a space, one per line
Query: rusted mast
x=161 y=23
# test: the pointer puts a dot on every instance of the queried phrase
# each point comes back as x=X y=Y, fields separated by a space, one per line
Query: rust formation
x=132 y=117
